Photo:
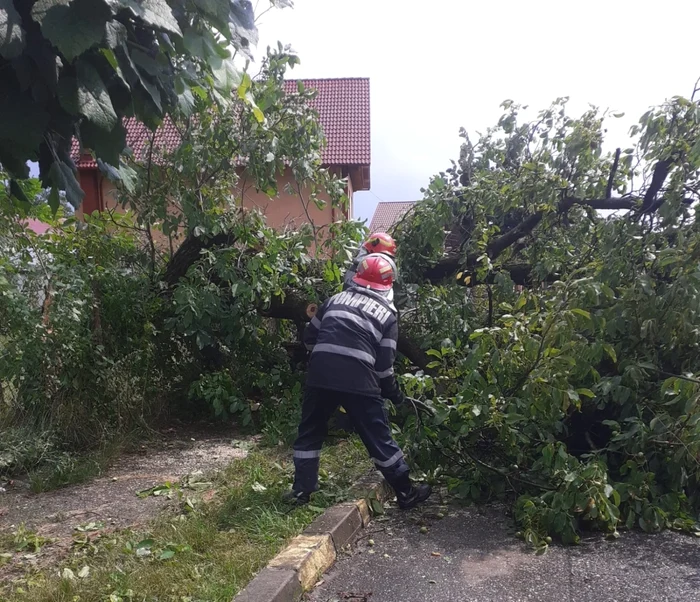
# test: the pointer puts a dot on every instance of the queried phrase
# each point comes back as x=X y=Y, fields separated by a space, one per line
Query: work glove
x=398 y=398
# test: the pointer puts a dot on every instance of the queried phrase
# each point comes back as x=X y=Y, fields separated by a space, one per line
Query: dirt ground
x=111 y=500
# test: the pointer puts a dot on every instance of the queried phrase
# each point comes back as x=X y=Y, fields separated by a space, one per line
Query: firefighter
x=379 y=242
x=353 y=340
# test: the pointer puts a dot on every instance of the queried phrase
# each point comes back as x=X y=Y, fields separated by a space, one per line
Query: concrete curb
x=298 y=567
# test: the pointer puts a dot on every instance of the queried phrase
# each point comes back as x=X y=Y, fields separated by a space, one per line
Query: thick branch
x=411 y=350
x=611 y=178
x=297 y=308
x=657 y=181
x=615 y=204
x=189 y=252
x=449 y=265
x=501 y=243
x=293 y=307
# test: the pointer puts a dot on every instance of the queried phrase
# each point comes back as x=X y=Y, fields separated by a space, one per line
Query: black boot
x=409 y=496
x=298 y=498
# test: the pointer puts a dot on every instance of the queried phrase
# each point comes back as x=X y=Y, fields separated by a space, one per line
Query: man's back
x=353 y=342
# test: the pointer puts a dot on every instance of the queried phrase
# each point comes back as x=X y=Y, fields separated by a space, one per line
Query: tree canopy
x=78 y=67
x=549 y=292
x=565 y=374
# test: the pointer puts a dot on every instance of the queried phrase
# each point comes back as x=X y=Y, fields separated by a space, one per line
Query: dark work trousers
x=371 y=423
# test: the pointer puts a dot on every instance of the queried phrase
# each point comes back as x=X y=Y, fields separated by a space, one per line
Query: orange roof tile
x=343 y=106
x=388 y=213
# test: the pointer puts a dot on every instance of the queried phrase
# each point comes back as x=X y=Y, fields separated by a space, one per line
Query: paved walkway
x=473 y=556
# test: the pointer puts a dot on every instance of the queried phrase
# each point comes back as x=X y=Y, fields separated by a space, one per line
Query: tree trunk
x=189 y=252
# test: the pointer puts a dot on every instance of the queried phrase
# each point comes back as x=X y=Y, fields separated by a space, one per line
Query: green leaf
x=22 y=126
x=63 y=178
x=54 y=199
x=128 y=177
x=695 y=152
x=610 y=351
x=214 y=8
x=166 y=555
x=581 y=312
x=186 y=101
x=203 y=44
x=107 y=146
x=68 y=95
x=115 y=34
x=93 y=99
x=73 y=26
x=147 y=63
x=246 y=82
x=136 y=78
x=108 y=171
x=12 y=37
x=376 y=505
x=259 y=115
x=217 y=12
x=111 y=59
x=226 y=75
x=585 y=392
x=244 y=34
x=145 y=543
x=156 y=13
x=17 y=192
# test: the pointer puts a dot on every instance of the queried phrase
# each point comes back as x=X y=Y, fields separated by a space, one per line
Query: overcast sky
x=438 y=65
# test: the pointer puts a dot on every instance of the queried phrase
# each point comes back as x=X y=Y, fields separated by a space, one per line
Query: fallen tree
x=575 y=395
x=564 y=375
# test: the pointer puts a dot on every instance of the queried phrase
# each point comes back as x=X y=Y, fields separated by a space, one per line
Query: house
x=388 y=214
x=343 y=106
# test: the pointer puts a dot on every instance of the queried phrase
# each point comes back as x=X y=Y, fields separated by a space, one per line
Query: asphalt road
x=472 y=556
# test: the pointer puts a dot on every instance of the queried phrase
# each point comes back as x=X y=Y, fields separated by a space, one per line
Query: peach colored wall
x=288 y=209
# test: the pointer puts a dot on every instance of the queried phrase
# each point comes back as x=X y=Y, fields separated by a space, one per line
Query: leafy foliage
x=78 y=67
x=576 y=394
x=167 y=303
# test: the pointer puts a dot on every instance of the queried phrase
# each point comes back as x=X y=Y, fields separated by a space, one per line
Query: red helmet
x=381 y=242
x=375 y=272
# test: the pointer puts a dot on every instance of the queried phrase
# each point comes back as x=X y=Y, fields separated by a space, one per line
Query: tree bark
x=294 y=306
x=189 y=252
x=448 y=266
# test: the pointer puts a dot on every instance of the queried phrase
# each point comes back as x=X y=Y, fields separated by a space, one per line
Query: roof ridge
x=326 y=79
x=343 y=111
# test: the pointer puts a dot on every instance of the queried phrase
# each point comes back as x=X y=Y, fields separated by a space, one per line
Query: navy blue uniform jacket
x=353 y=340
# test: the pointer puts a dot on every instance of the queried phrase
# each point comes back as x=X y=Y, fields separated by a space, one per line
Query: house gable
x=343 y=106
x=388 y=214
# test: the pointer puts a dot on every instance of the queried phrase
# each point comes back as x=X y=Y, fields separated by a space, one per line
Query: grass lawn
x=198 y=550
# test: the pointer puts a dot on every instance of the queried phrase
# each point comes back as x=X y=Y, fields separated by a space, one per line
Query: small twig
x=696 y=89
x=490 y=295
x=370 y=533
x=152 y=141
x=613 y=172
x=670 y=375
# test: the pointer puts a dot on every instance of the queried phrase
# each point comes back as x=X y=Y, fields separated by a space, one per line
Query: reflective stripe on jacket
x=353 y=341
